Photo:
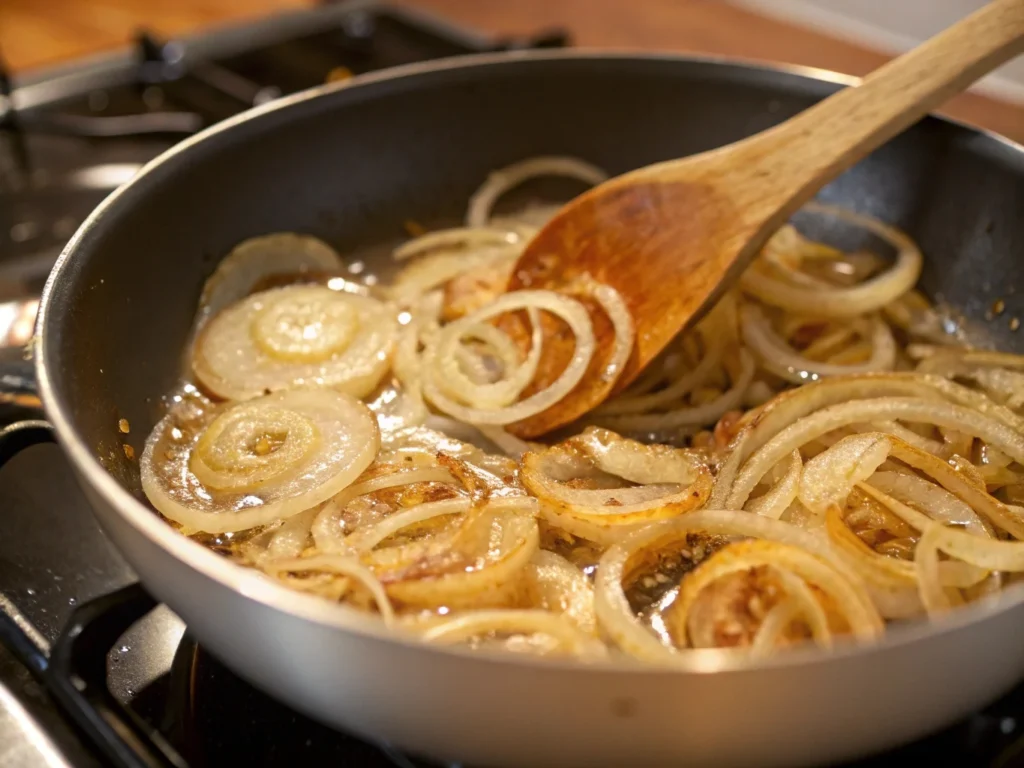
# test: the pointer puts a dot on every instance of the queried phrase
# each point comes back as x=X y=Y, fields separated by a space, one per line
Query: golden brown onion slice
x=258 y=461
x=296 y=336
x=576 y=483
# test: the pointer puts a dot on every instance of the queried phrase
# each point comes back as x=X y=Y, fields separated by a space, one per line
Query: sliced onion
x=774 y=626
x=254 y=260
x=471 y=578
x=437 y=269
x=829 y=477
x=926 y=561
x=345 y=566
x=569 y=638
x=935 y=501
x=570 y=310
x=614 y=613
x=674 y=481
x=989 y=554
x=904 y=408
x=864 y=623
x=454 y=382
x=499 y=182
x=300 y=335
x=869 y=296
x=698 y=415
x=457 y=238
x=781 y=495
x=631 y=401
x=781 y=359
x=890 y=572
x=313 y=443
x=556 y=585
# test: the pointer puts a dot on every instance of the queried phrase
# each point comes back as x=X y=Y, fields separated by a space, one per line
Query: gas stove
x=92 y=671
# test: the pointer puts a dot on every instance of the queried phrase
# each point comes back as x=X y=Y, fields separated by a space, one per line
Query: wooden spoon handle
x=817 y=144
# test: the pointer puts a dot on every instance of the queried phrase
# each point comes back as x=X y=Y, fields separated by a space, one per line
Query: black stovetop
x=84 y=654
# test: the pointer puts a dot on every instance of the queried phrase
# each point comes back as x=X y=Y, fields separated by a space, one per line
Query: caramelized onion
x=616 y=617
x=345 y=566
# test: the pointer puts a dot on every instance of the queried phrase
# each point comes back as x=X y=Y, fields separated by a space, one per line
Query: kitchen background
x=851 y=36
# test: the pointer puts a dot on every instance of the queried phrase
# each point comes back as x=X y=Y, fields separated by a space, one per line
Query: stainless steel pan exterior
x=350 y=164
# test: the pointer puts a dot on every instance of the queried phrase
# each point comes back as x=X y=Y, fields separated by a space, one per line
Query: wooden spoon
x=673 y=236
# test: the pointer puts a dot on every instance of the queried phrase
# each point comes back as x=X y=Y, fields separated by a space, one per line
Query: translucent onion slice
x=868 y=296
x=865 y=624
x=500 y=181
x=781 y=495
x=254 y=260
x=569 y=638
x=556 y=585
x=938 y=503
x=345 y=566
x=954 y=481
x=690 y=416
x=465 y=576
x=311 y=445
x=989 y=554
x=773 y=628
x=829 y=477
x=482 y=393
x=782 y=360
x=458 y=238
x=834 y=417
x=673 y=481
x=926 y=561
x=792 y=405
x=890 y=572
x=614 y=612
x=434 y=270
x=295 y=336
x=570 y=310
x=286 y=540
x=631 y=401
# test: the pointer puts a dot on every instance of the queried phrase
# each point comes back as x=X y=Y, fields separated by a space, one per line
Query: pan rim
x=274 y=596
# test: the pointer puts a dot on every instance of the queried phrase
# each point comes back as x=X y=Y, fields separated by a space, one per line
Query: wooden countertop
x=40 y=32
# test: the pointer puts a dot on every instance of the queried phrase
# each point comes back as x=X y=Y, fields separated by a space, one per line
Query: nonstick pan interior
x=352 y=164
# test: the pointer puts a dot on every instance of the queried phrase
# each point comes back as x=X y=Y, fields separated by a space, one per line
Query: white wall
x=891 y=25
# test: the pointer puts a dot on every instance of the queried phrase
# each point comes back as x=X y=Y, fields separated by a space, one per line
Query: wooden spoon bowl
x=672 y=237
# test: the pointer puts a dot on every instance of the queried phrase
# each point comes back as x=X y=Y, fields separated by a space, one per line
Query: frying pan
x=350 y=164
